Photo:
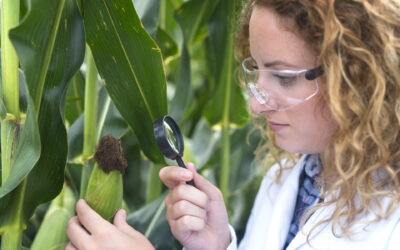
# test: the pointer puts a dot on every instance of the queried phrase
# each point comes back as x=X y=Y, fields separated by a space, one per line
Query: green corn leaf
x=75 y=98
x=131 y=65
x=193 y=15
x=46 y=179
x=168 y=46
x=26 y=154
x=3 y=111
x=148 y=13
x=183 y=91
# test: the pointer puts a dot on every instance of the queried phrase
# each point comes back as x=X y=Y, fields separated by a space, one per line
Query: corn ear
x=51 y=234
x=104 y=192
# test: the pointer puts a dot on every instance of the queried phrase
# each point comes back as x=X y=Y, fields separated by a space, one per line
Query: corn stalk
x=91 y=103
x=10 y=90
x=10 y=126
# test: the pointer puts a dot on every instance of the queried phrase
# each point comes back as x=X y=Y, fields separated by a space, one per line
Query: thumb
x=204 y=185
x=121 y=224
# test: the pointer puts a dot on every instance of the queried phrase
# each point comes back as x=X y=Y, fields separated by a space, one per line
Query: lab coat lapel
x=283 y=209
x=273 y=212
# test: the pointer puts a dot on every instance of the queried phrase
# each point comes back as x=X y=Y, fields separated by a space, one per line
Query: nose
x=258 y=108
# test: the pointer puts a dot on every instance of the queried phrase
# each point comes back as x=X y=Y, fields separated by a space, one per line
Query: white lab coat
x=272 y=212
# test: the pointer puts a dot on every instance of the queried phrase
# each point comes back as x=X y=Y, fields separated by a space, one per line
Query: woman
x=324 y=77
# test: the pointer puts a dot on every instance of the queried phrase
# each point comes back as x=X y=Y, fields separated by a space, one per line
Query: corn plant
x=76 y=71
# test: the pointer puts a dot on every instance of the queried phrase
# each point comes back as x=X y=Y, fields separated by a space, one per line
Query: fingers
x=70 y=246
x=174 y=176
x=188 y=193
x=184 y=208
x=76 y=234
x=121 y=224
x=186 y=224
x=204 y=185
x=91 y=220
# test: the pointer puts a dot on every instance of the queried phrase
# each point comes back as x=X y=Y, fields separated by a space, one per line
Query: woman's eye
x=285 y=80
x=254 y=67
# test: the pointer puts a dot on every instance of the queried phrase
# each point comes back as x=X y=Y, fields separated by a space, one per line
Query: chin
x=295 y=146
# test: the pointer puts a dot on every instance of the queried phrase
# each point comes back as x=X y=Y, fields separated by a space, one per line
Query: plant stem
x=224 y=175
x=89 y=134
x=162 y=14
x=12 y=236
x=89 y=138
x=154 y=185
x=84 y=179
x=10 y=90
x=10 y=239
x=227 y=71
x=9 y=58
x=103 y=116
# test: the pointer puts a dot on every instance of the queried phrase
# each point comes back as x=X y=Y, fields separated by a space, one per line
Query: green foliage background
x=153 y=57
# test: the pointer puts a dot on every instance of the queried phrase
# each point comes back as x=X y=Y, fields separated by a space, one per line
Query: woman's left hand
x=88 y=230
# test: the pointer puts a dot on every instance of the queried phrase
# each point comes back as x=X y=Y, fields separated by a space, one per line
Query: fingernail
x=186 y=174
x=123 y=213
x=191 y=165
x=81 y=202
x=207 y=207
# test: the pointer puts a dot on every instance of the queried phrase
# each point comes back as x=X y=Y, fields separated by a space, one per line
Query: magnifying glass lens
x=169 y=140
x=171 y=136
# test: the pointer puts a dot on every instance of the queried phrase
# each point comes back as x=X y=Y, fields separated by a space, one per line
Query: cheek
x=310 y=131
x=315 y=129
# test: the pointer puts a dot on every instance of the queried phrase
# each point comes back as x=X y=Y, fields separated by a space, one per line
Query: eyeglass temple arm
x=312 y=74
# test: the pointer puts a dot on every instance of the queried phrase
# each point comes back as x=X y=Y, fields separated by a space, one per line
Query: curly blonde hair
x=358 y=46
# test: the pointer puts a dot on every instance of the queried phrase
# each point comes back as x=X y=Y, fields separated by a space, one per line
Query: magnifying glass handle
x=181 y=164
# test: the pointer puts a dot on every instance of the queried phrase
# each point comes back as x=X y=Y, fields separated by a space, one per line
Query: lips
x=274 y=126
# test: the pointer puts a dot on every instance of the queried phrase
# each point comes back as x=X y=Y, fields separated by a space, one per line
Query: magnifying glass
x=169 y=139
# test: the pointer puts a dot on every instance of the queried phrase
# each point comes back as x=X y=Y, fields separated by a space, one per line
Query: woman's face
x=307 y=127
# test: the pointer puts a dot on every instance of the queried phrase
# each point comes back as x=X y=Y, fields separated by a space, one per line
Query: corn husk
x=104 y=192
x=51 y=234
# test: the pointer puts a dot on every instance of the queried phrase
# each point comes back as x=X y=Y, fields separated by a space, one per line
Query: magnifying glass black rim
x=161 y=138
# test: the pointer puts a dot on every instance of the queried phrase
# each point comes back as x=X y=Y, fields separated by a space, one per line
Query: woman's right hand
x=197 y=215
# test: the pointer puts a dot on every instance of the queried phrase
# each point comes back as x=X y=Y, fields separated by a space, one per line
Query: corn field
x=76 y=73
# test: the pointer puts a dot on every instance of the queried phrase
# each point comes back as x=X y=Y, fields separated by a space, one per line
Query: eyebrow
x=275 y=63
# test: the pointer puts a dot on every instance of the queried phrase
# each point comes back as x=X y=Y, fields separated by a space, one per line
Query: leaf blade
x=131 y=65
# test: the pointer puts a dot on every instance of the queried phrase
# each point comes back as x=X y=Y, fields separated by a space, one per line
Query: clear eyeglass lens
x=171 y=137
x=279 y=89
x=260 y=95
